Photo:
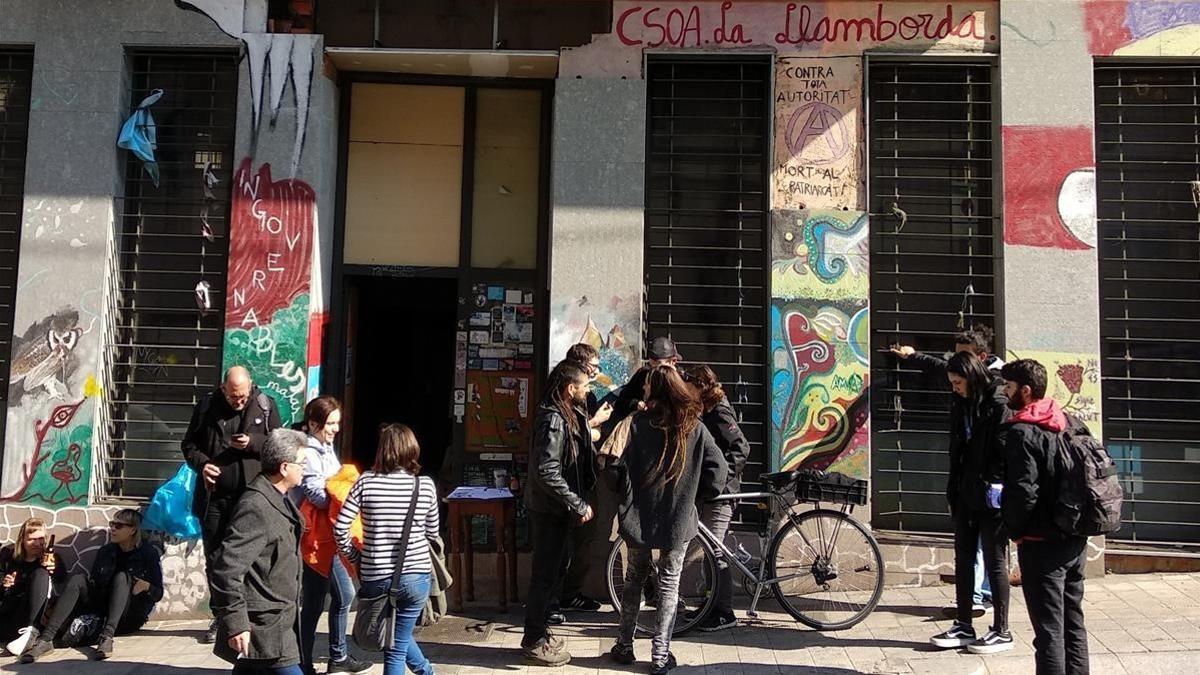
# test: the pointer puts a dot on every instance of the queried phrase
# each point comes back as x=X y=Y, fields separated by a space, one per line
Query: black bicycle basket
x=833 y=487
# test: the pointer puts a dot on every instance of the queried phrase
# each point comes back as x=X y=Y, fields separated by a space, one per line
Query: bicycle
x=821 y=576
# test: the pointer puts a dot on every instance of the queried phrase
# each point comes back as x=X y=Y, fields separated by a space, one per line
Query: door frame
x=538 y=278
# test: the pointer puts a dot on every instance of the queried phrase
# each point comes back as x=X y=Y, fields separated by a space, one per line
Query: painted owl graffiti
x=43 y=356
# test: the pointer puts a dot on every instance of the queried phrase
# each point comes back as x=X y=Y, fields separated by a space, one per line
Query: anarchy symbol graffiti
x=815 y=125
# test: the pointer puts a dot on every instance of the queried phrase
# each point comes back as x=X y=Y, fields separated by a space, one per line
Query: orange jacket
x=317 y=546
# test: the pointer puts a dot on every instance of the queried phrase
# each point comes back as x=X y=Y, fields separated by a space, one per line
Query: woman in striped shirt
x=384 y=497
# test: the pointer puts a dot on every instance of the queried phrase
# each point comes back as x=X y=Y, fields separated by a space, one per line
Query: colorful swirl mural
x=819 y=340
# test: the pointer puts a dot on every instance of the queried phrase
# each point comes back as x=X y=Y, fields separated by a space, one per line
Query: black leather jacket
x=558 y=477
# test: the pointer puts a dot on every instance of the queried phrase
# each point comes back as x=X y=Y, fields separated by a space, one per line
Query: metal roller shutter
x=706 y=264
x=165 y=352
x=1148 y=189
x=16 y=76
x=933 y=258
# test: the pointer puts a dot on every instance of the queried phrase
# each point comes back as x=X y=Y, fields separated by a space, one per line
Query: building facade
x=419 y=206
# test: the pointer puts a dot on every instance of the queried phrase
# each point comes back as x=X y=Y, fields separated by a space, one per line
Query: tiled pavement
x=1137 y=624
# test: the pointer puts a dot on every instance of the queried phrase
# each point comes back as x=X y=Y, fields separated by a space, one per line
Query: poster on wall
x=818 y=159
x=499 y=368
x=498 y=411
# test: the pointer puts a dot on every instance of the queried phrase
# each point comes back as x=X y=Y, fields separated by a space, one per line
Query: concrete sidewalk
x=1137 y=624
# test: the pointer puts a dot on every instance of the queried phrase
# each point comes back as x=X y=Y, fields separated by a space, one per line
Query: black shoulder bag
x=375 y=619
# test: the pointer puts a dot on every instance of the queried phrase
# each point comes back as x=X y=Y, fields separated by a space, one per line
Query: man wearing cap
x=662 y=352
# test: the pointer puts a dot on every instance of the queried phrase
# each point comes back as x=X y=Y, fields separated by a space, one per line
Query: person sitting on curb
x=125 y=584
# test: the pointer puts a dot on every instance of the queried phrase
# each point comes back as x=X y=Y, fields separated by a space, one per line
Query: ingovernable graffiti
x=273 y=59
x=817 y=155
x=602 y=325
x=840 y=28
x=1073 y=380
x=1049 y=187
x=270 y=265
x=819 y=340
x=276 y=354
x=1142 y=27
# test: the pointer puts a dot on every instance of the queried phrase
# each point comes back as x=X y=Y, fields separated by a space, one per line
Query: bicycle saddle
x=779 y=479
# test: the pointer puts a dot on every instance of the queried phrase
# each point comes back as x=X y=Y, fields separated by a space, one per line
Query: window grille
x=166 y=352
x=706 y=225
x=16 y=75
x=933 y=259
x=1148 y=189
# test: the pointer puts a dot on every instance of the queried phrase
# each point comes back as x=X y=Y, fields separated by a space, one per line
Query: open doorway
x=401 y=337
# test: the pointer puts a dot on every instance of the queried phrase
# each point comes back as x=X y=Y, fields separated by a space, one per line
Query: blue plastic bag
x=171 y=509
x=139 y=134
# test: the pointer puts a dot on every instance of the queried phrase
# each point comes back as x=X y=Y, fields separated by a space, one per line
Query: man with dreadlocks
x=668 y=462
x=561 y=469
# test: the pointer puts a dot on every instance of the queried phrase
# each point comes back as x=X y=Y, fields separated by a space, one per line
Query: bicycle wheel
x=829 y=570
x=696 y=584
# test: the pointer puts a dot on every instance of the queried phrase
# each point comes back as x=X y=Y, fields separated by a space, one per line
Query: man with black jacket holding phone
x=227 y=432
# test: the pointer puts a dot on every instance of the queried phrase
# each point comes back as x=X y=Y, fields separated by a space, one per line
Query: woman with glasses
x=28 y=570
x=125 y=583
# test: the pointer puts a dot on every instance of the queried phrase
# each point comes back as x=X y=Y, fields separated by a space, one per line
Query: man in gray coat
x=256 y=578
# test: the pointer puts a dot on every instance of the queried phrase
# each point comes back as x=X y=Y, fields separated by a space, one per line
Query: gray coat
x=654 y=513
x=256 y=578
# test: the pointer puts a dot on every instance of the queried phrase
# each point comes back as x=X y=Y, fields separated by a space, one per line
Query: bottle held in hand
x=48 y=554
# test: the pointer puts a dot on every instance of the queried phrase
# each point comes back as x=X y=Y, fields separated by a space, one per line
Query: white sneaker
x=24 y=637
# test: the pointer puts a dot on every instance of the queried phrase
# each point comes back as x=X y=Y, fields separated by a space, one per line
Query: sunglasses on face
x=118 y=526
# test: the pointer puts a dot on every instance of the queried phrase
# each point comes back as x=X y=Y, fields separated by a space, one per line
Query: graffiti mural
x=272 y=59
x=819 y=340
x=270 y=264
x=1073 y=380
x=789 y=28
x=602 y=325
x=1142 y=27
x=51 y=406
x=1049 y=197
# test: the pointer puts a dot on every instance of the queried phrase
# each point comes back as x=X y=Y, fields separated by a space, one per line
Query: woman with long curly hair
x=669 y=461
x=718 y=417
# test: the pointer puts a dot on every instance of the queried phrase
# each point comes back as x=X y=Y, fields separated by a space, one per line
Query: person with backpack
x=977 y=459
x=224 y=438
x=1051 y=559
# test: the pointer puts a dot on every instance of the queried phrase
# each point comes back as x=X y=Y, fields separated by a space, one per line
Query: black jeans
x=969 y=528
x=1052 y=580
x=577 y=564
x=23 y=603
x=212 y=529
x=78 y=595
x=550 y=546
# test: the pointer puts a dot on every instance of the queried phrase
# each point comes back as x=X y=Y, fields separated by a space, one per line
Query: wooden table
x=504 y=513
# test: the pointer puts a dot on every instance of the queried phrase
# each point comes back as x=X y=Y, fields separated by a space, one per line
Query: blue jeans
x=314 y=589
x=413 y=594
x=983 y=587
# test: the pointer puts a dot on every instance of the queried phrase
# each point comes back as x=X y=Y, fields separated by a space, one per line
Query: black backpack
x=1089 y=491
